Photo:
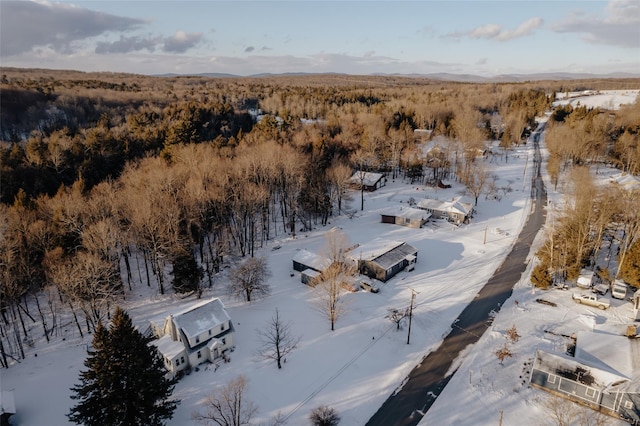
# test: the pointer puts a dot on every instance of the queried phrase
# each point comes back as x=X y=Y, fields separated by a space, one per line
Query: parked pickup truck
x=591 y=300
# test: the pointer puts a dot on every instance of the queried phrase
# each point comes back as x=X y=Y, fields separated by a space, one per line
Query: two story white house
x=187 y=338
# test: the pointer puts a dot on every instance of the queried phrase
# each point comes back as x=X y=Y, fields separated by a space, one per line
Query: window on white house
x=224 y=341
x=197 y=339
x=199 y=354
x=590 y=392
x=209 y=332
x=182 y=359
x=177 y=362
x=551 y=379
x=222 y=327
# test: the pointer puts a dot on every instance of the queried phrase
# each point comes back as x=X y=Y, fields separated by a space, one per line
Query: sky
x=485 y=38
x=355 y=368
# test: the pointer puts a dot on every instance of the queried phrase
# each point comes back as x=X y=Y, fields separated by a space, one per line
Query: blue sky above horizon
x=356 y=37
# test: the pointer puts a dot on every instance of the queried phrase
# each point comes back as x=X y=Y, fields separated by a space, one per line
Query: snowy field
x=605 y=99
x=356 y=367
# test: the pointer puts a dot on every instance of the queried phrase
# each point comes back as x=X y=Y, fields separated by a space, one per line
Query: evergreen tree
x=124 y=383
x=186 y=273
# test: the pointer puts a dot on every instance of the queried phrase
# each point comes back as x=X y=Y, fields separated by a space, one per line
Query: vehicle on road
x=591 y=300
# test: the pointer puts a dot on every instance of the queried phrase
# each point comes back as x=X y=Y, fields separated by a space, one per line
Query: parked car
x=619 y=289
x=600 y=289
x=591 y=300
x=367 y=285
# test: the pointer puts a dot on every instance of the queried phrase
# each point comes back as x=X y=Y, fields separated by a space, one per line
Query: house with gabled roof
x=370 y=181
x=189 y=337
x=382 y=259
x=604 y=373
x=455 y=210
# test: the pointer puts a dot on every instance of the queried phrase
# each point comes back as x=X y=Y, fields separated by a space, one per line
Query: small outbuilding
x=305 y=259
x=368 y=180
x=382 y=259
x=405 y=216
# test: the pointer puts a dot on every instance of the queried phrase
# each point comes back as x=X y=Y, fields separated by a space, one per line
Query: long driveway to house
x=428 y=379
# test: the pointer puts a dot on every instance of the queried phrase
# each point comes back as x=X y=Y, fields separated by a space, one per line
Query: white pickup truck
x=591 y=300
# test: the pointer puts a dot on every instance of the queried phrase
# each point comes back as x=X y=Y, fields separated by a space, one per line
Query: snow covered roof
x=373 y=249
x=566 y=366
x=312 y=260
x=167 y=347
x=612 y=352
x=7 y=403
x=453 y=206
x=201 y=317
x=407 y=213
x=367 y=178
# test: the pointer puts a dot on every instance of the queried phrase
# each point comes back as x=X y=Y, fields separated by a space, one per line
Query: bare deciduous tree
x=397 y=315
x=227 y=406
x=324 y=416
x=249 y=279
x=277 y=339
x=503 y=353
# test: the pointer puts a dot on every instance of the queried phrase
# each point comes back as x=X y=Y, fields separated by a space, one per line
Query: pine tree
x=124 y=383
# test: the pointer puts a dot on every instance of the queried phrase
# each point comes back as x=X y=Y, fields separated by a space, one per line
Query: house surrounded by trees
x=201 y=333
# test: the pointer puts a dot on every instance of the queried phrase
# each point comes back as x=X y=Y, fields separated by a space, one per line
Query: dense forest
x=105 y=173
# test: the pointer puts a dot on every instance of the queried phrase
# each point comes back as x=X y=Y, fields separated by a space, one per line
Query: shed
x=308 y=275
x=304 y=259
x=368 y=180
x=382 y=259
x=405 y=216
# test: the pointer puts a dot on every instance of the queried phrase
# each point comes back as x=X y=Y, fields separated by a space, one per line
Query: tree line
x=113 y=181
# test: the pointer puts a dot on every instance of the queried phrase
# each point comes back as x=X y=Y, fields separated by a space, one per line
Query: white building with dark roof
x=187 y=338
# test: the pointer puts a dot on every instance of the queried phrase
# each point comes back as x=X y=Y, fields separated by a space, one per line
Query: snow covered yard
x=356 y=367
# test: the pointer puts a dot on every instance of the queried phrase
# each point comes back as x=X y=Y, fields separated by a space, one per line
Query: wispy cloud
x=497 y=32
x=128 y=44
x=619 y=27
x=25 y=25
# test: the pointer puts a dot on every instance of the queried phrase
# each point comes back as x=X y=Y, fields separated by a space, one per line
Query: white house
x=200 y=333
x=455 y=211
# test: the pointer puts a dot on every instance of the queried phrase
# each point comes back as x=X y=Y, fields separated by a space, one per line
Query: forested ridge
x=103 y=173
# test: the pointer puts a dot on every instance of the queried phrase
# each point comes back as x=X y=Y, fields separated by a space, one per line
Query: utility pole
x=413 y=296
x=485 y=235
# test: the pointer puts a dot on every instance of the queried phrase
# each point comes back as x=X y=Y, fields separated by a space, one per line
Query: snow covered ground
x=356 y=367
x=606 y=99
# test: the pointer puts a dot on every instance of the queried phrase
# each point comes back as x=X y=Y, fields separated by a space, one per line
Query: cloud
x=181 y=41
x=128 y=44
x=481 y=61
x=249 y=49
x=619 y=27
x=25 y=25
x=497 y=32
